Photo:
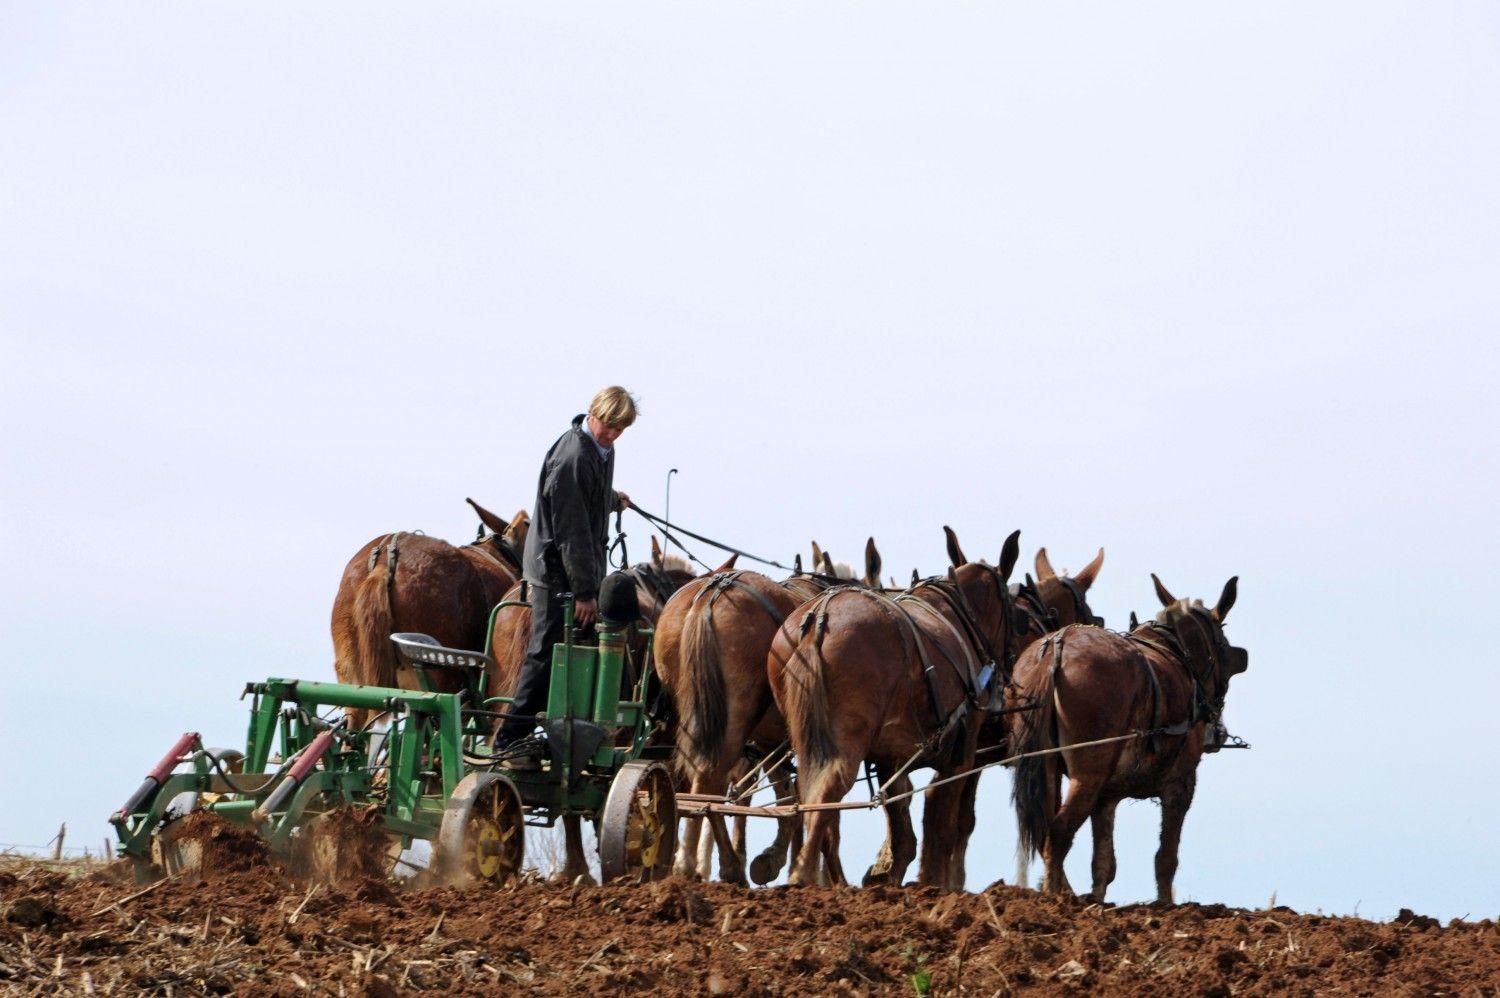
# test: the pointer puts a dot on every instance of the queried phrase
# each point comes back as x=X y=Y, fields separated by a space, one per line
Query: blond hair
x=613 y=406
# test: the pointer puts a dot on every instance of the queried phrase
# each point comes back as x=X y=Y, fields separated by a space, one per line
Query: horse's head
x=986 y=588
x=506 y=541
x=1200 y=631
x=823 y=564
x=1062 y=598
x=656 y=580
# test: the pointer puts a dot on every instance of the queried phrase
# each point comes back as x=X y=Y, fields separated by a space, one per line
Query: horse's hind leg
x=822 y=827
x=957 y=871
x=1083 y=794
x=940 y=828
x=1176 y=798
x=767 y=866
x=900 y=846
x=687 y=849
x=737 y=839
x=1103 y=828
x=576 y=863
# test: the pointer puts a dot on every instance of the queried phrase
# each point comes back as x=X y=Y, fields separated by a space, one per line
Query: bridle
x=953 y=594
x=1209 y=687
x=499 y=546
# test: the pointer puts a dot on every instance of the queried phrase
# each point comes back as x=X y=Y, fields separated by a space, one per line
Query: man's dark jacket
x=565 y=550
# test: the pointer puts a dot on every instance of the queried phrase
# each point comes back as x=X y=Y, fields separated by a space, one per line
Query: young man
x=565 y=550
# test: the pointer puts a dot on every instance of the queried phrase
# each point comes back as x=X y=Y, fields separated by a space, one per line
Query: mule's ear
x=817 y=562
x=955 y=553
x=1009 y=552
x=489 y=519
x=1227 y=598
x=872 y=563
x=826 y=566
x=1090 y=572
x=1167 y=599
x=1043 y=566
x=728 y=565
x=518 y=523
x=656 y=558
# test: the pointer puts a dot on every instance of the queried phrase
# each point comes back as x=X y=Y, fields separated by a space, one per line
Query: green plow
x=422 y=768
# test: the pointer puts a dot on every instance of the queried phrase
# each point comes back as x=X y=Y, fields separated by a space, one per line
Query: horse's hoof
x=763 y=870
x=875 y=877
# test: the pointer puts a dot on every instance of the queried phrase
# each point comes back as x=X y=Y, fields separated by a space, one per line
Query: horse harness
x=655 y=581
x=721 y=582
x=982 y=661
x=1165 y=639
x=392 y=553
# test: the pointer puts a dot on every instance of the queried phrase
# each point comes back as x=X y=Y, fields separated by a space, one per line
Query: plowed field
x=248 y=927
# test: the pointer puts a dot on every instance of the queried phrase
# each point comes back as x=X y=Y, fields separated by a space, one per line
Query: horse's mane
x=675 y=563
x=1182 y=606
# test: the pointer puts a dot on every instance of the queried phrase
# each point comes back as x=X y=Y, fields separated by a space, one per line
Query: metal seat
x=421 y=651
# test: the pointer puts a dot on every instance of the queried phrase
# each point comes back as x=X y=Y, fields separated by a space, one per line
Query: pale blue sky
x=1213 y=288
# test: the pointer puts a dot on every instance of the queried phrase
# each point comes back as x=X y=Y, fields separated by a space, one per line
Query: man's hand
x=584 y=612
x=622 y=501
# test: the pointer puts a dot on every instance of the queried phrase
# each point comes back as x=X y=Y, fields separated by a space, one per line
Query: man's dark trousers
x=531 y=688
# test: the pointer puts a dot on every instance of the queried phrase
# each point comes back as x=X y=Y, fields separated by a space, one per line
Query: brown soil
x=344 y=845
x=251 y=929
x=225 y=848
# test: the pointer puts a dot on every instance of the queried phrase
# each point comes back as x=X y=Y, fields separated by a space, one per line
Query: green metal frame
x=432 y=742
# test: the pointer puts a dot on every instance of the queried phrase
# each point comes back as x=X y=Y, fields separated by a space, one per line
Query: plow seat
x=421 y=653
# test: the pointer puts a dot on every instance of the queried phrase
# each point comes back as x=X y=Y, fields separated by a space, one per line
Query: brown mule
x=1053 y=601
x=411 y=582
x=712 y=644
x=1167 y=678
x=510 y=633
x=861 y=676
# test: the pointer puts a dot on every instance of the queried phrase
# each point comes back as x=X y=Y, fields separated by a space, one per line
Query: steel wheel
x=639 y=829
x=483 y=834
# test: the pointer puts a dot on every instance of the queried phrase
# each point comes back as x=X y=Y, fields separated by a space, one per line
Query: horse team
x=802 y=682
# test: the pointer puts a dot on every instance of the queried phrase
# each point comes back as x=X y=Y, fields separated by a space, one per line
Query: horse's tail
x=701 y=700
x=375 y=662
x=1030 y=791
x=808 y=715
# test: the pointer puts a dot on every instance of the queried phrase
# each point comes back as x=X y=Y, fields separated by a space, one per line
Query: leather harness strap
x=1163 y=639
x=968 y=673
x=1081 y=608
x=722 y=582
x=392 y=552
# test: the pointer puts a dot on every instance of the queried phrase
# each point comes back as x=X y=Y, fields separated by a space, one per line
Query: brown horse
x=711 y=646
x=861 y=676
x=412 y=582
x=1053 y=601
x=1155 y=694
x=510 y=633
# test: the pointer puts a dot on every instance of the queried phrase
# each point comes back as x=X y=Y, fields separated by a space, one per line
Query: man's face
x=604 y=433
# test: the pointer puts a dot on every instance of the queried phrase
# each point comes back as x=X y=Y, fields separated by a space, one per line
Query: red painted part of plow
x=158 y=774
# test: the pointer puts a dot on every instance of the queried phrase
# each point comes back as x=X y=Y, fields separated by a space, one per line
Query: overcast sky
x=1215 y=288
